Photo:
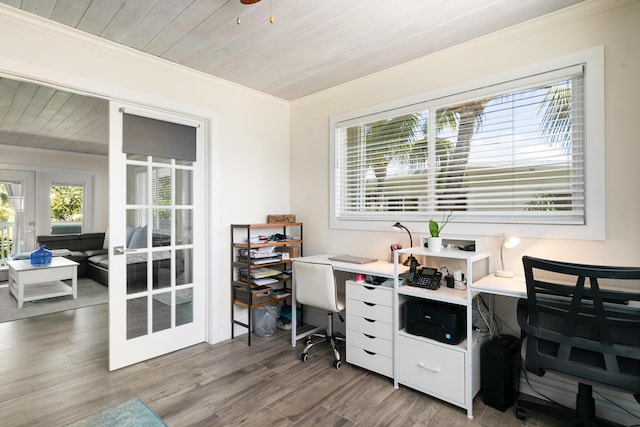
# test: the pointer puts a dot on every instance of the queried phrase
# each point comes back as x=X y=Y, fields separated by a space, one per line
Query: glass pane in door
x=162 y=227
x=184 y=306
x=136 y=317
x=183 y=187
x=184 y=226
x=184 y=266
x=162 y=311
x=162 y=269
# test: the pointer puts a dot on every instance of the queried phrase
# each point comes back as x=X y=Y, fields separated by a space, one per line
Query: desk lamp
x=399 y=227
x=508 y=242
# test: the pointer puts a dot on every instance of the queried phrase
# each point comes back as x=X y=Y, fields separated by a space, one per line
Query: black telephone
x=429 y=278
x=411 y=277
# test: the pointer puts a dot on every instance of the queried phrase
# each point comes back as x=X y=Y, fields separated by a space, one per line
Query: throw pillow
x=105 y=244
x=129 y=235
x=139 y=238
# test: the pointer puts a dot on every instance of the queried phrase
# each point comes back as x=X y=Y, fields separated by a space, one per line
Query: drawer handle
x=370 y=352
x=369 y=288
x=369 y=320
x=369 y=336
x=370 y=304
x=428 y=368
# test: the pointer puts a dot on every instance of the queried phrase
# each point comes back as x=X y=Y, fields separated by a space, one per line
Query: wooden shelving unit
x=243 y=266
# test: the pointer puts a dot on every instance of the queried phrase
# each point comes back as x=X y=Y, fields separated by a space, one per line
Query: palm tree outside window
x=516 y=155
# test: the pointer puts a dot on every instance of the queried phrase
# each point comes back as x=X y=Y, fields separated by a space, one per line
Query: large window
x=67 y=201
x=510 y=152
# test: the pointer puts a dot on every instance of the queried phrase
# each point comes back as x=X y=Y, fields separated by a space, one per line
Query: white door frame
x=107 y=92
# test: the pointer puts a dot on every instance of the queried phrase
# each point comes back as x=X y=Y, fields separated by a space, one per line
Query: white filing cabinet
x=446 y=371
x=437 y=369
x=370 y=327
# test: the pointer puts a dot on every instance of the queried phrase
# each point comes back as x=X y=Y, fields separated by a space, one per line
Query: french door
x=156 y=234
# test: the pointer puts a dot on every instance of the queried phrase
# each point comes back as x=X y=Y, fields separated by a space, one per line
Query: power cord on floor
x=570 y=409
x=547 y=398
x=615 y=404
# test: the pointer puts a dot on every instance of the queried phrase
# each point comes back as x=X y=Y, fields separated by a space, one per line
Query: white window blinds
x=512 y=152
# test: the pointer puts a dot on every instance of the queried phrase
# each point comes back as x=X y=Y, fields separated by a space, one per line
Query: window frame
x=86 y=181
x=594 y=144
x=65 y=184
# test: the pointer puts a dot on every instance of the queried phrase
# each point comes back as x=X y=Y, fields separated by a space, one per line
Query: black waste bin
x=500 y=371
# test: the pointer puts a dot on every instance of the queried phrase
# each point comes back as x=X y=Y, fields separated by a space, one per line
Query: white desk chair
x=316 y=286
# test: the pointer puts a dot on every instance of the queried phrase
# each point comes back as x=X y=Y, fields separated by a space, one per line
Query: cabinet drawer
x=368 y=293
x=433 y=369
x=373 y=362
x=369 y=342
x=369 y=327
x=370 y=310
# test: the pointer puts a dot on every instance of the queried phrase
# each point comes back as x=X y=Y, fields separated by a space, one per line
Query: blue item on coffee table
x=41 y=256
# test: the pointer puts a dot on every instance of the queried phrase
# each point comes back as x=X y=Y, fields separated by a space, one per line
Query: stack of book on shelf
x=260 y=276
x=259 y=256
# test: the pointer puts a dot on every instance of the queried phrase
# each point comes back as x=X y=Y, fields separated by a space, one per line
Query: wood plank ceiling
x=311 y=46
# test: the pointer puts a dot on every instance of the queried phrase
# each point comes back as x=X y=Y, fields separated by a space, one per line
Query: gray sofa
x=87 y=249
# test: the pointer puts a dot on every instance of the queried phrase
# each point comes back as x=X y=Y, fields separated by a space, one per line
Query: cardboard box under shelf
x=260 y=294
x=293 y=251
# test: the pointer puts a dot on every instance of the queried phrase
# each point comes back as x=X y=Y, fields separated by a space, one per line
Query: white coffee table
x=28 y=282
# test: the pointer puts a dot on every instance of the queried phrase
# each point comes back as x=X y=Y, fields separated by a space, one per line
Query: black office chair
x=575 y=324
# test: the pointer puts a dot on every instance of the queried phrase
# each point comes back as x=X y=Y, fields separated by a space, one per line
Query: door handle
x=120 y=250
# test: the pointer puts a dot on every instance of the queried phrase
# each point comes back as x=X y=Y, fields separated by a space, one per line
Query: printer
x=440 y=321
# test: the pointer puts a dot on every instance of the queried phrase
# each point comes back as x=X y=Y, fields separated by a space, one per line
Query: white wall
x=249 y=129
x=578 y=28
x=612 y=24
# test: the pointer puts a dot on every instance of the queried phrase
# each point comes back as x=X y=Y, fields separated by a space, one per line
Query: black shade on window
x=151 y=137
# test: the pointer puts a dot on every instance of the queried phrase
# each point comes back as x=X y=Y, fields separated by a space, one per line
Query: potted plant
x=435 y=241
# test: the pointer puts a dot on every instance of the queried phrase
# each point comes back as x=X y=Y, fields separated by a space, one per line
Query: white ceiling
x=311 y=46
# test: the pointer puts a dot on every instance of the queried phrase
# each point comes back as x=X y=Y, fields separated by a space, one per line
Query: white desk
x=378 y=268
x=507 y=286
x=516 y=287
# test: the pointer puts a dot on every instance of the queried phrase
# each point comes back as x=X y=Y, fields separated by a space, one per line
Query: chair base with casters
x=581 y=321
x=315 y=286
x=583 y=415
x=328 y=337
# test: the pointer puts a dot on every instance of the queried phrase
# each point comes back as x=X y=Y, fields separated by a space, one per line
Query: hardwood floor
x=53 y=371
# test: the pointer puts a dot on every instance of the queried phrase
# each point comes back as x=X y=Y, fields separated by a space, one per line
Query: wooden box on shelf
x=292 y=251
x=273 y=218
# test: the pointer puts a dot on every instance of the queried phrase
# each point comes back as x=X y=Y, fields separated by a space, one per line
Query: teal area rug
x=132 y=413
